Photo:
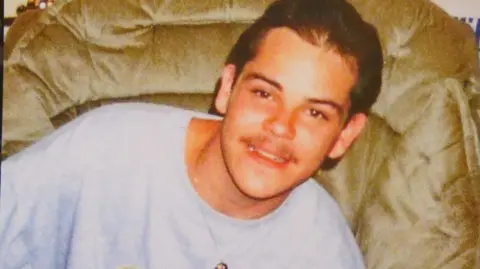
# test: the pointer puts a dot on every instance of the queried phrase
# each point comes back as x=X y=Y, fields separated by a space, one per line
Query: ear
x=348 y=135
x=225 y=90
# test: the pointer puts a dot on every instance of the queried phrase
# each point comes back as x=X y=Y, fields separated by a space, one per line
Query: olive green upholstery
x=410 y=187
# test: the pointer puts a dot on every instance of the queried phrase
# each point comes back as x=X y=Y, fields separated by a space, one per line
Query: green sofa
x=410 y=187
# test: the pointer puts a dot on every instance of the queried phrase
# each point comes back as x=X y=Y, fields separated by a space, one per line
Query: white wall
x=10 y=7
x=460 y=7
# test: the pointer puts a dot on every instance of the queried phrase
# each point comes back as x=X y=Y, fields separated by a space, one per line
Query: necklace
x=246 y=240
x=221 y=265
x=202 y=205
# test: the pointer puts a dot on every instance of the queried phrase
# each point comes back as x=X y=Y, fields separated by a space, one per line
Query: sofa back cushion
x=409 y=187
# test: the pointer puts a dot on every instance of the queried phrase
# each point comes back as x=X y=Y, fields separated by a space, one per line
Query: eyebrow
x=278 y=86
x=256 y=75
x=332 y=104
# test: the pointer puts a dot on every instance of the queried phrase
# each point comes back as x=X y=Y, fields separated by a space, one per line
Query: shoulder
x=331 y=233
x=99 y=147
x=137 y=119
x=101 y=135
x=109 y=124
x=321 y=202
x=132 y=113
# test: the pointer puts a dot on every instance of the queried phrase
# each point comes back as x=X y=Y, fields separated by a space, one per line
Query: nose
x=281 y=124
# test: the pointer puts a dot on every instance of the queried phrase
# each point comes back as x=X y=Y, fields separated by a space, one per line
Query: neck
x=213 y=183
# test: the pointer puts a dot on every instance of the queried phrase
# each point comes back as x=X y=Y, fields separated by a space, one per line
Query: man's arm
x=39 y=193
x=14 y=253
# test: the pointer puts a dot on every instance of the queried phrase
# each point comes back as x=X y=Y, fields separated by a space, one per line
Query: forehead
x=298 y=65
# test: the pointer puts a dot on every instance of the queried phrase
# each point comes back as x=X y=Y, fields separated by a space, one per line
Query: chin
x=256 y=189
x=259 y=176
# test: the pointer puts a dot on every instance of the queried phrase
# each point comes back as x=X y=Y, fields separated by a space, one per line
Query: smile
x=267 y=155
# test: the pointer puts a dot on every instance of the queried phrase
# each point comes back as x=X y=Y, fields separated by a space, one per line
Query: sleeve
x=14 y=253
x=40 y=188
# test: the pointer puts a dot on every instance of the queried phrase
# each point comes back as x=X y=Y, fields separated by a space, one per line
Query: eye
x=317 y=114
x=262 y=94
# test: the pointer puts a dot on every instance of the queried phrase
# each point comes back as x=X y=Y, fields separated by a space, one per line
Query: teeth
x=267 y=155
x=271 y=156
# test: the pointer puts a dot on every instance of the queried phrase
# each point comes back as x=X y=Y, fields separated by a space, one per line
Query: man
x=149 y=186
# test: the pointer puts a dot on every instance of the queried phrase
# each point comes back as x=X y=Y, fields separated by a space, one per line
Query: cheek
x=240 y=123
x=247 y=114
x=314 y=145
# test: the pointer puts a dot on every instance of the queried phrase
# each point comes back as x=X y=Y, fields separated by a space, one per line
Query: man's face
x=285 y=114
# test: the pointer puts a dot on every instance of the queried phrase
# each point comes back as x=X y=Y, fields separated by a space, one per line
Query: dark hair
x=332 y=23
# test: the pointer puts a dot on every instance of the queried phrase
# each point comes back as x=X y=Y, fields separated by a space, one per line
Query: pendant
x=221 y=265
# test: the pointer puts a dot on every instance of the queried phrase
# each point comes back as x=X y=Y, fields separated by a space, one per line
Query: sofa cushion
x=410 y=186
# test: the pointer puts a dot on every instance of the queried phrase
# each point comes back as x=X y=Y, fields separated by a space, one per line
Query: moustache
x=274 y=146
